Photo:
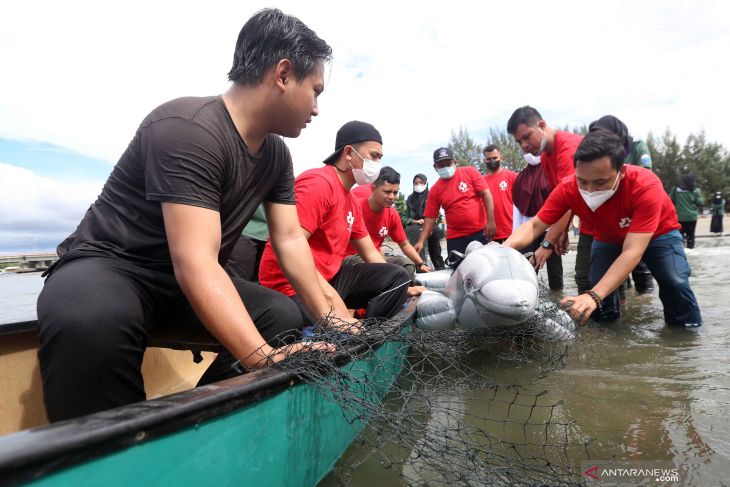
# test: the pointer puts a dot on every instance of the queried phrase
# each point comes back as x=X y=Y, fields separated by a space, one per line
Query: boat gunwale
x=31 y=454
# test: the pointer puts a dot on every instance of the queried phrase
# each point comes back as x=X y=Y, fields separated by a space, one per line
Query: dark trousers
x=554 y=265
x=245 y=259
x=94 y=316
x=666 y=260
x=433 y=244
x=459 y=244
x=583 y=262
x=380 y=289
x=688 y=232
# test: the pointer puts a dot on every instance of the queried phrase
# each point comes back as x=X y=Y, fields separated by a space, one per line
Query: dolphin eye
x=468 y=284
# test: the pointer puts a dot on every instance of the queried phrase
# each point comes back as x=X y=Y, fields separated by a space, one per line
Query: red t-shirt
x=640 y=205
x=326 y=210
x=363 y=191
x=380 y=224
x=500 y=185
x=560 y=163
x=460 y=198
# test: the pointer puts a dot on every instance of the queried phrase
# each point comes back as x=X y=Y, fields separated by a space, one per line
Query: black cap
x=352 y=133
x=442 y=154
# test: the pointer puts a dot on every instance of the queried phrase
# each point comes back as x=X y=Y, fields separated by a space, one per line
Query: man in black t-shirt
x=149 y=252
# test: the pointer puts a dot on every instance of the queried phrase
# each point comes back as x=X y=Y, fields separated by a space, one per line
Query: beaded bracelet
x=596 y=299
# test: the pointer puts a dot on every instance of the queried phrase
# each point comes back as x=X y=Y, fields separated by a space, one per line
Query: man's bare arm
x=194 y=236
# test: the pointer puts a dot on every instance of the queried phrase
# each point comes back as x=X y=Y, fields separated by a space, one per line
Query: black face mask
x=493 y=165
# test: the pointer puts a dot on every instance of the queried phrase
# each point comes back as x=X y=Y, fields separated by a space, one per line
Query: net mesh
x=433 y=406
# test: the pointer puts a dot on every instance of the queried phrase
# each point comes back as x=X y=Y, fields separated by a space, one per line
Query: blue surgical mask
x=446 y=172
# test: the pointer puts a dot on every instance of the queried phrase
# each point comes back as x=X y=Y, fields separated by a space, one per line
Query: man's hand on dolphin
x=579 y=307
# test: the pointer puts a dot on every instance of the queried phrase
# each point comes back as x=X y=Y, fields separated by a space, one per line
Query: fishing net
x=431 y=408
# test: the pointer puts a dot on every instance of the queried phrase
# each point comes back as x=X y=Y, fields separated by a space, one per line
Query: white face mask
x=369 y=172
x=596 y=198
x=531 y=160
x=446 y=172
x=419 y=188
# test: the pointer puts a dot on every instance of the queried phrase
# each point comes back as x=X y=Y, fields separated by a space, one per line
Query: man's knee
x=403 y=262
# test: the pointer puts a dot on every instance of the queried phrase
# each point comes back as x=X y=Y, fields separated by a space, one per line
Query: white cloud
x=83 y=74
x=39 y=211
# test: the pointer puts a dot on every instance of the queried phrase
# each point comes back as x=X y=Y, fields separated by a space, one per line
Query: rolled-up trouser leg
x=583 y=262
x=92 y=319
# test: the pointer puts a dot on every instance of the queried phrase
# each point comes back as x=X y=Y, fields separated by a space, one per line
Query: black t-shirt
x=186 y=151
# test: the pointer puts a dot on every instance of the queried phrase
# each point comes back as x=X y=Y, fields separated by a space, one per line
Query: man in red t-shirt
x=331 y=219
x=362 y=191
x=556 y=149
x=466 y=199
x=630 y=215
x=500 y=182
x=382 y=220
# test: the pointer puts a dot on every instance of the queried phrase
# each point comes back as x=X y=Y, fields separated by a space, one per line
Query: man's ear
x=283 y=73
x=542 y=124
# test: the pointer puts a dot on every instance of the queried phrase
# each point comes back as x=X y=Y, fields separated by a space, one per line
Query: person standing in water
x=718 y=213
x=688 y=201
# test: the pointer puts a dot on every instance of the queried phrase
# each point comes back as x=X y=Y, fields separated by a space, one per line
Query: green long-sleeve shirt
x=687 y=203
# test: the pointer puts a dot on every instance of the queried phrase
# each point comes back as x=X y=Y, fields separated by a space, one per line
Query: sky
x=78 y=77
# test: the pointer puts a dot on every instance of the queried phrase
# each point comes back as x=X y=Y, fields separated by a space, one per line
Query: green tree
x=466 y=151
x=400 y=205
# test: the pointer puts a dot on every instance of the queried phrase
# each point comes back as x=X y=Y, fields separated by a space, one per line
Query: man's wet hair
x=387 y=175
x=600 y=143
x=270 y=36
x=490 y=148
x=523 y=115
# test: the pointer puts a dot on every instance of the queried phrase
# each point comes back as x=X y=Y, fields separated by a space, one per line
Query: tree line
x=708 y=160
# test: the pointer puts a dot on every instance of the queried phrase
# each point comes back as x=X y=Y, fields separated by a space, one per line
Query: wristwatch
x=547 y=244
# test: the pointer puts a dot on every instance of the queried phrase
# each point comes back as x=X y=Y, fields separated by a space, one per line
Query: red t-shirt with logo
x=500 y=185
x=640 y=205
x=362 y=191
x=329 y=212
x=460 y=198
x=380 y=224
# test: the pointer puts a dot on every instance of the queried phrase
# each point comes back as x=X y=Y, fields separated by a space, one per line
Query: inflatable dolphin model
x=493 y=286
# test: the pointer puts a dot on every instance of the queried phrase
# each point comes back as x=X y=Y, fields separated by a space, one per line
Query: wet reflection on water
x=641 y=390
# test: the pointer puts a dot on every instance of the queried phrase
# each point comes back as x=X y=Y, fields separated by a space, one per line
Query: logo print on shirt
x=503 y=185
x=624 y=222
x=350 y=221
x=383 y=232
x=463 y=187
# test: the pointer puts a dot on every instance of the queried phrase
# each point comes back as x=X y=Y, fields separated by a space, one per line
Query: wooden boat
x=263 y=428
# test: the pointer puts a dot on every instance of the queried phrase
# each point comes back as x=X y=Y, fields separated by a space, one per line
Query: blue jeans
x=666 y=260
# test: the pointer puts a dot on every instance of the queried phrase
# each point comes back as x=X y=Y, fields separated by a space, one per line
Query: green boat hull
x=263 y=428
